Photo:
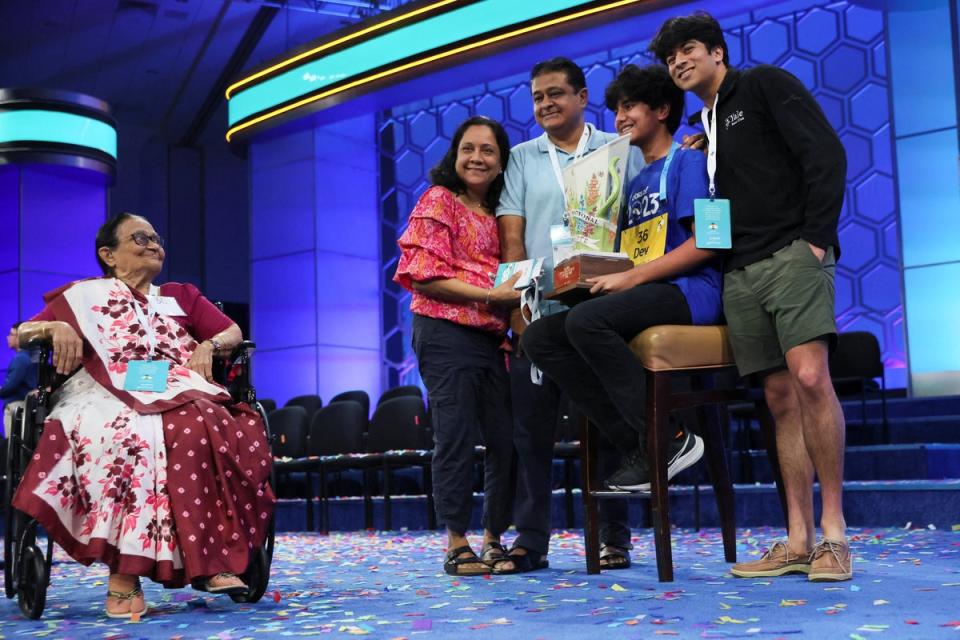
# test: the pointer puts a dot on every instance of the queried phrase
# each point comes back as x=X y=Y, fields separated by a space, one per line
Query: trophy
x=583 y=246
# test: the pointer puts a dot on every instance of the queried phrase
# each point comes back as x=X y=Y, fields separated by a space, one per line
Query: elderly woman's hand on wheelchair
x=202 y=360
x=67 y=346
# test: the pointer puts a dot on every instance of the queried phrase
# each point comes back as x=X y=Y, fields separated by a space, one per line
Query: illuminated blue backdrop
x=838 y=50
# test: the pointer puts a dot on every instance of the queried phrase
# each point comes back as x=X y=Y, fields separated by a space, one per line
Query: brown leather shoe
x=777 y=561
x=831 y=561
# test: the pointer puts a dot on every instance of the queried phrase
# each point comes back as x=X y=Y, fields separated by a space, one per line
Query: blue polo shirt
x=531 y=192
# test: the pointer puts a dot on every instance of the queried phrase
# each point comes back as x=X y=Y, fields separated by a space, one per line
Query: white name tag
x=166 y=305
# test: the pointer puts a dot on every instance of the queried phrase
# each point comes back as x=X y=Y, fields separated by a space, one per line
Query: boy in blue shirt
x=585 y=350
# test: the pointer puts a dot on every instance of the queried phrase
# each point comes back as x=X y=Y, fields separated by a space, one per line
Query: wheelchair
x=27 y=561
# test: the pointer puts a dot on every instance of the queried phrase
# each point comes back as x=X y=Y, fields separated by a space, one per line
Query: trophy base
x=570 y=284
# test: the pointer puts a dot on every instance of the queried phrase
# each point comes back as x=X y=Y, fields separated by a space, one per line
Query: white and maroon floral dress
x=170 y=485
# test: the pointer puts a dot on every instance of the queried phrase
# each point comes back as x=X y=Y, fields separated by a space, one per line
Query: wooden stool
x=698 y=352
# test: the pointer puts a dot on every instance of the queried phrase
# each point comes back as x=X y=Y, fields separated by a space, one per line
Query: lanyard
x=144 y=320
x=710 y=126
x=663 y=172
x=555 y=160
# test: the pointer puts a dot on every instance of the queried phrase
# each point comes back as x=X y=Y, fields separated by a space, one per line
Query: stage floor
x=391 y=585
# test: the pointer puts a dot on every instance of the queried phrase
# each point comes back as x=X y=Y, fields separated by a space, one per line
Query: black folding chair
x=399 y=431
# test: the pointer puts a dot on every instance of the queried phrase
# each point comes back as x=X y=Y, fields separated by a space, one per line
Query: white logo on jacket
x=733 y=119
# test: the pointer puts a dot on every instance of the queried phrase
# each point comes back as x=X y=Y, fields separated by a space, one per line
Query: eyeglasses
x=144 y=239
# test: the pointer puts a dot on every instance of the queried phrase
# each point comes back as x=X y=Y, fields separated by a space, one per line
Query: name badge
x=166 y=305
x=146 y=375
x=646 y=241
x=712 y=223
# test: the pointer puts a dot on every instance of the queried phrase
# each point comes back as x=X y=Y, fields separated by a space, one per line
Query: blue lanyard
x=663 y=172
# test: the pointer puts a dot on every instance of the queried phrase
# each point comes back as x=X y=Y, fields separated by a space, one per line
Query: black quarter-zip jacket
x=779 y=162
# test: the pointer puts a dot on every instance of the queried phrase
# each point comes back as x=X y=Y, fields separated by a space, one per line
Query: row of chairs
x=339 y=437
x=311 y=403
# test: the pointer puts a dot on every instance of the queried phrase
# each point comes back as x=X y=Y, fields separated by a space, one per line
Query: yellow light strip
x=433 y=58
x=339 y=41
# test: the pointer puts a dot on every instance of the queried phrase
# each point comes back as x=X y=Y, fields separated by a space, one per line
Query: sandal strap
x=129 y=595
x=452 y=556
x=495 y=550
x=612 y=550
x=453 y=553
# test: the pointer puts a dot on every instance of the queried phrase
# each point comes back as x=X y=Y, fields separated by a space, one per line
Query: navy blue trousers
x=465 y=373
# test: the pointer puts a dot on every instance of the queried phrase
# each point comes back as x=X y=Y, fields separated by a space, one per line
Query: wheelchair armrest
x=244 y=348
x=39 y=343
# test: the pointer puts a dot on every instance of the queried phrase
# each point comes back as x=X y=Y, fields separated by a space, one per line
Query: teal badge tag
x=146 y=375
x=712 y=223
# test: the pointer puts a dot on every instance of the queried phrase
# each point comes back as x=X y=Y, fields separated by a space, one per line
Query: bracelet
x=487 y=301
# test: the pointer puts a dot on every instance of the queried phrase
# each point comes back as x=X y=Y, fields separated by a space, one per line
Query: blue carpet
x=390 y=585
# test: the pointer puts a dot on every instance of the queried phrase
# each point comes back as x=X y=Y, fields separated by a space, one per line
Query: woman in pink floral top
x=449 y=256
x=167 y=482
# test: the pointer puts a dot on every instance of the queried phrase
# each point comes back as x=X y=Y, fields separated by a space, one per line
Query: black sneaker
x=634 y=472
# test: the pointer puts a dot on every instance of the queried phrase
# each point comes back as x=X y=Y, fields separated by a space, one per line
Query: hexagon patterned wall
x=837 y=50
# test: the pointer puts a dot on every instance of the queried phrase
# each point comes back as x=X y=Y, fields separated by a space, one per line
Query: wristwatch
x=216 y=345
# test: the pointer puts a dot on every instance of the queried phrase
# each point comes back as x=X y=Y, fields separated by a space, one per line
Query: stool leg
x=658 y=412
x=591 y=510
x=720 y=478
x=768 y=428
x=568 y=490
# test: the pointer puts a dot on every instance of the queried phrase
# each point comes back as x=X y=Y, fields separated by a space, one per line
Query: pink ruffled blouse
x=444 y=239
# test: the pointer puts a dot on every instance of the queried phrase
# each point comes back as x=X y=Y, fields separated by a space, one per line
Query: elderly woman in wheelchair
x=144 y=463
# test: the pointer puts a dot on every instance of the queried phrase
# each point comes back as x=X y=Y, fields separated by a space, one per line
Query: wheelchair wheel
x=10 y=520
x=32 y=582
x=257 y=577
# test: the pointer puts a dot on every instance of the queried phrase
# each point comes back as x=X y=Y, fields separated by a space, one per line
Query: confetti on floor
x=391 y=585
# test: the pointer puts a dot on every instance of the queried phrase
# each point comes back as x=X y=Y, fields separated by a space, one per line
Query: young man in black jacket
x=782 y=167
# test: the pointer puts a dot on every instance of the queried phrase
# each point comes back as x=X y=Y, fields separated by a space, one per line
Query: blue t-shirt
x=686 y=181
x=21 y=378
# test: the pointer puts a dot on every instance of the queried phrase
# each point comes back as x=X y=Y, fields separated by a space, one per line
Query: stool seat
x=683 y=347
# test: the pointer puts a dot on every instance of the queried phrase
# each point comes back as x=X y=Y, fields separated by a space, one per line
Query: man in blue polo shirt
x=531 y=202
x=21 y=379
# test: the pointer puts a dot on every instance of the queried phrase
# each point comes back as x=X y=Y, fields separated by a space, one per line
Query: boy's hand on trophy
x=614 y=282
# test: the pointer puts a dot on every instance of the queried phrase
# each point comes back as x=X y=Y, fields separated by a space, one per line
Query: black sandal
x=452 y=562
x=493 y=555
x=614 y=557
x=231 y=590
x=529 y=561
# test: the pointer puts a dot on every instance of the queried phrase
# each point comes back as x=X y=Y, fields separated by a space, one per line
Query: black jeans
x=585 y=352
x=465 y=374
x=535 y=409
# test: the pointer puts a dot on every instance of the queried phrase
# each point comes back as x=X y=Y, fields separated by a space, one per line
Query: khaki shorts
x=778 y=303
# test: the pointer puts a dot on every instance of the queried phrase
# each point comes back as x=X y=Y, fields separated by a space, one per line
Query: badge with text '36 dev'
x=146 y=375
x=712 y=223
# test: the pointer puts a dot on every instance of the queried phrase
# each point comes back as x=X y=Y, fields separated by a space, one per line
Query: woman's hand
x=202 y=360
x=67 y=346
x=505 y=294
x=614 y=282
x=695 y=141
